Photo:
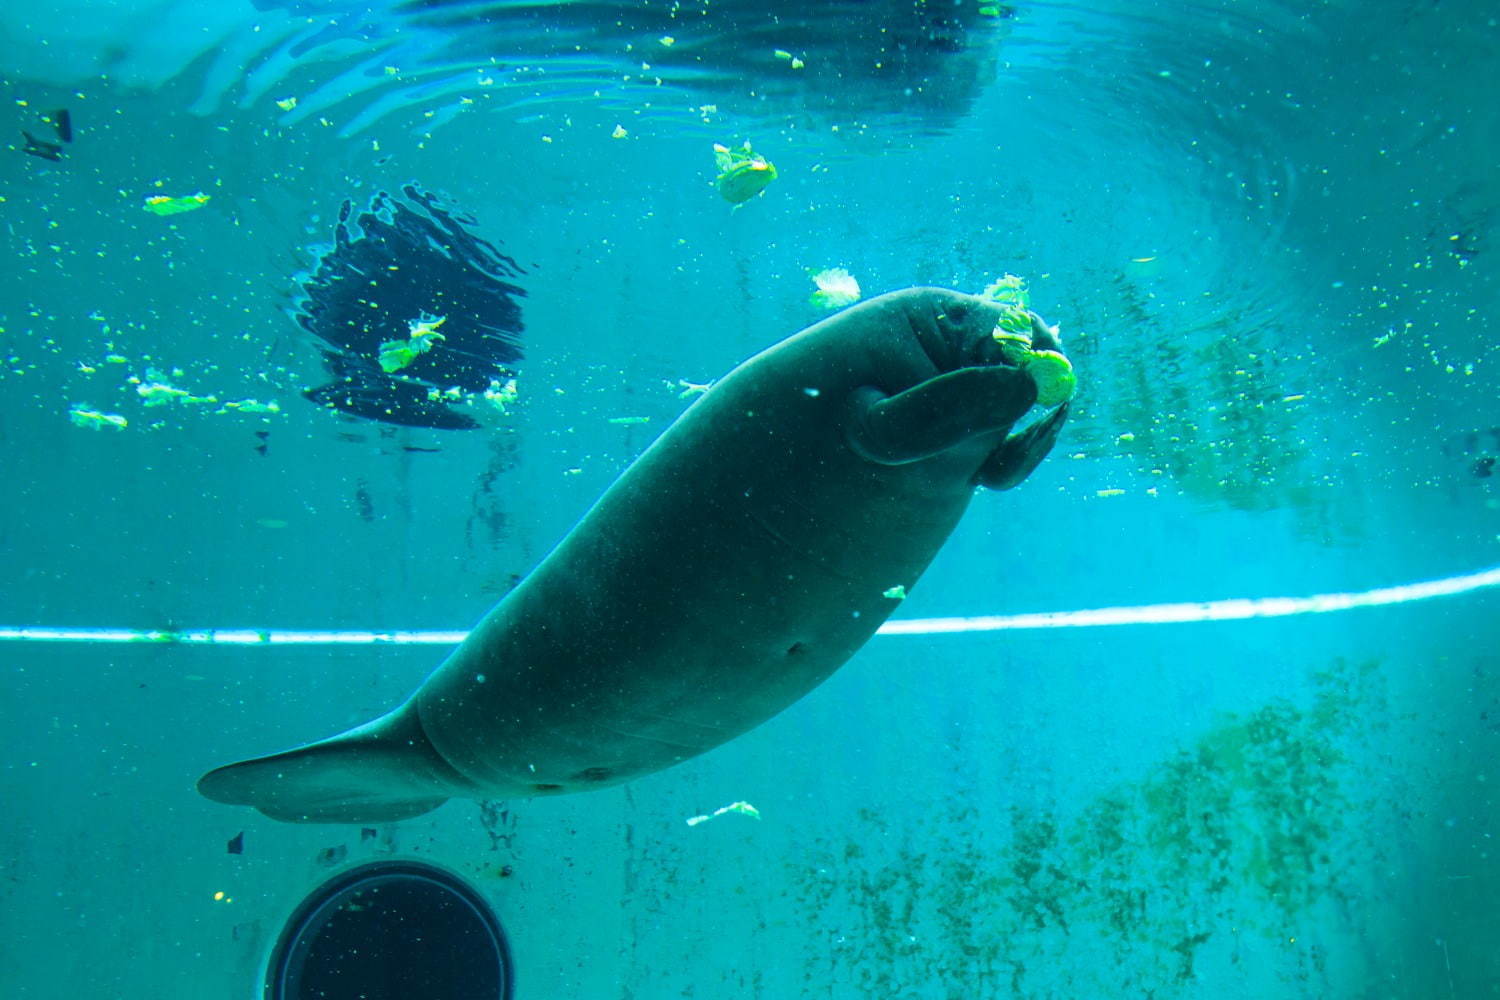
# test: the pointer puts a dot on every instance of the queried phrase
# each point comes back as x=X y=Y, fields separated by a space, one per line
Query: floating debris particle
x=743 y=808
x=896 y=593
x=248 y=406
x=159 y=393
x=82 y=416
x=160 y=204
x=501 y=395
x=330 y=857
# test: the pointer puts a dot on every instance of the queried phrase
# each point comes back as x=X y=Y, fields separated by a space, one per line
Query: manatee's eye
x=957 y=313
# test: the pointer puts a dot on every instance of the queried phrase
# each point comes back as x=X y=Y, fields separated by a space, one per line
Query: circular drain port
x=392 y=930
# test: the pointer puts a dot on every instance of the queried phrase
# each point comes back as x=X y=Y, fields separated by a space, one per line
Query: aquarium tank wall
x=322 y=323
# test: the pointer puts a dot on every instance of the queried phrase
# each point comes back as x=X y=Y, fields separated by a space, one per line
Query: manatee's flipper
x=382 y=771
x=1015 y=459
x=937 y=414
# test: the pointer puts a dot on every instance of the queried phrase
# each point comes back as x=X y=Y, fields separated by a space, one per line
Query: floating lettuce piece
x=1013 y=320
x=836 y=288
x=249 y=406
x=743 y=174
x=159 y=393
x=1051 y=371
x=1010 y=290
x=1013 y=298
x=397 y=354
x=1053 y=374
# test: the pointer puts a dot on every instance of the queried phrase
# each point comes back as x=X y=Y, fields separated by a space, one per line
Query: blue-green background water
x=1295 y=394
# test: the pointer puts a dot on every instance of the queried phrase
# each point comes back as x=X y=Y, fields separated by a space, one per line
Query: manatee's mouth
x=966 y=329
x=1044 y=337
x=1038 y=353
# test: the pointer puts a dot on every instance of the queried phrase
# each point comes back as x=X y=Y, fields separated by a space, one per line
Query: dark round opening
x=392 y=930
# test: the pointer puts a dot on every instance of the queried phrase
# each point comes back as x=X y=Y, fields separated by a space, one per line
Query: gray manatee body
x=733 y=567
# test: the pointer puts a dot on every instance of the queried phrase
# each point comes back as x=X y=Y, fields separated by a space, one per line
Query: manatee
x=745 y=556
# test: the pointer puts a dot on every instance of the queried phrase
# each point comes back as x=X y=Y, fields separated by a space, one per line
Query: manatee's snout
x=1044 y=337
x=965 y=327
x=979 y=345
x=966 y=324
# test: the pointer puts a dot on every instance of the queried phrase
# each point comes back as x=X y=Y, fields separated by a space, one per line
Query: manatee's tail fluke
x=380 y=772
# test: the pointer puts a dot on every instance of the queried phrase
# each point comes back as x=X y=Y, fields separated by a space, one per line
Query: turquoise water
x=1268 y=234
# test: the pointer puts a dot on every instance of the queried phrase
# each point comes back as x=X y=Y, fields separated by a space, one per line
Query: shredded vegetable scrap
x=95 y=420
x=837 y=288
x=743 y=808
x=160 y=204
x=743 y=173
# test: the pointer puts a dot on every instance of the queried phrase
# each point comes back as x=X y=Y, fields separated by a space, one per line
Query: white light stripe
x=1233 y=609
x=233 y=637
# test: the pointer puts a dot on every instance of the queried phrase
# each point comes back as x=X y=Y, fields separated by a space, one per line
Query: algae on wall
x=1252 y=840
x=1210 y=403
